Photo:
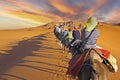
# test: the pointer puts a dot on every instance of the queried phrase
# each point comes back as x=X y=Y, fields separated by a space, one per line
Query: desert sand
x=33 y=54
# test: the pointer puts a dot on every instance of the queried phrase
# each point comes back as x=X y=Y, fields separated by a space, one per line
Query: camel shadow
x=14 y=57
x=17 y=53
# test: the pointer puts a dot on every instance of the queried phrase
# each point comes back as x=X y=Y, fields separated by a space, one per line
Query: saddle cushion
x=105 y=53
x=112 y=60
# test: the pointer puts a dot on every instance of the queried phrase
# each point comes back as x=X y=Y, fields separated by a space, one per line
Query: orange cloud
x=62 y=7
x=33 y=10
x=57 y=10
x=24 y=15
x=114 y=17
x=97 y=4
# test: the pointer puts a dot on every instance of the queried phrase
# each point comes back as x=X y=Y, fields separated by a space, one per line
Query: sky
x=29 y=13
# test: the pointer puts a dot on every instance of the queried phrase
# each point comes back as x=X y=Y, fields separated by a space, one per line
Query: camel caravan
x=87 y=61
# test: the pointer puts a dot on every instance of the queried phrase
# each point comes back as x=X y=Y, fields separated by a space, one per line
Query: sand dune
x=33 y=54
x=110 y=40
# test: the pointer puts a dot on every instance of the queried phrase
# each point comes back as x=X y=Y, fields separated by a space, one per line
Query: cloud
x=59 y=10
x=97 y=7
x=82 y=9
x=114 y=16
x=25 y=15
x=62 y=7
x=31 y=9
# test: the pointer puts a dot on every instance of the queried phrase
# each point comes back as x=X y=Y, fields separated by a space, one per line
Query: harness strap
x=86 y=40
x=89 y=36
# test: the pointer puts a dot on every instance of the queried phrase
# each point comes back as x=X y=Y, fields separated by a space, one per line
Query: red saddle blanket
x=75 y=64
x=105 y=53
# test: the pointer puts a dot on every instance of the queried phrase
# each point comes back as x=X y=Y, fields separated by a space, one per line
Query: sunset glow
x=29 y=13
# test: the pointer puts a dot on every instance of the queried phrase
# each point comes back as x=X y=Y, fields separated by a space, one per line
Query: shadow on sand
x=17 y=53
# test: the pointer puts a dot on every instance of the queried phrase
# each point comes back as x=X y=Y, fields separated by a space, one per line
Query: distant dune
x=33 y=54
x=11 y=37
